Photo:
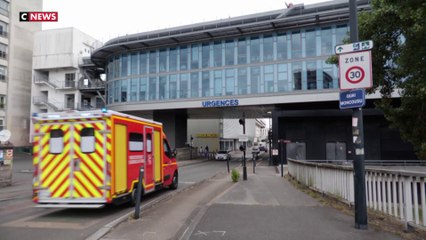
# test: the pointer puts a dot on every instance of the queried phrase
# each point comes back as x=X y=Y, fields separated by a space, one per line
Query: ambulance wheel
x=175 y=181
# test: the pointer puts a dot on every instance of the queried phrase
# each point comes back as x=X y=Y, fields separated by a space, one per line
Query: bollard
x=227 y=163
x=138 y=193
x=254 y=162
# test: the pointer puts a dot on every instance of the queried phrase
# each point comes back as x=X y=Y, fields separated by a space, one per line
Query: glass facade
x=260 y=64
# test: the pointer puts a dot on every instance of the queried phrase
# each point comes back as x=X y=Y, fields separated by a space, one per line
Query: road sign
x=354 y=47
x=243 y=138
x=274 y=152
x=355 y=70
x=352 y=99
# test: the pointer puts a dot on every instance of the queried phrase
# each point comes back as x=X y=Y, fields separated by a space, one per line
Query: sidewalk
x=263 y=207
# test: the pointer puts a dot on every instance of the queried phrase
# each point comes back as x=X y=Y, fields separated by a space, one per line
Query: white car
x=222 y=155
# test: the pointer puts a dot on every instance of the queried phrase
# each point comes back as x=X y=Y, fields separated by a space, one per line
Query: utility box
x=6 y=163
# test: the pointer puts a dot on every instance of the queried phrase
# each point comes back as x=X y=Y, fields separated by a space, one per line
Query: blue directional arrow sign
x=352 y=99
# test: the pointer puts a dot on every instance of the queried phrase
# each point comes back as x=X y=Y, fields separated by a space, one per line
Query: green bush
x=235 y=175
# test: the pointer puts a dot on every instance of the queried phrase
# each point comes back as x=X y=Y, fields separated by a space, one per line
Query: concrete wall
x=62 y=48
x=58 y=52
x=21 y=35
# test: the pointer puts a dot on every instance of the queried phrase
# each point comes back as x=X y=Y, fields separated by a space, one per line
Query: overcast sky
x=106 y=19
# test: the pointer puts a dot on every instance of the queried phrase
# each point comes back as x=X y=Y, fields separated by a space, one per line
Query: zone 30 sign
x=355 y=70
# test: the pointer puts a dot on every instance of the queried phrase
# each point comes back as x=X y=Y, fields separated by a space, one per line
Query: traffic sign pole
x=358 y=136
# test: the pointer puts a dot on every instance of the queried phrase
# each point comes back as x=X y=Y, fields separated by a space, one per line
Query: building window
x=70 y=80
x=134 y=63
x=152 y=62
x=195 y=57
x=143 y=89
x=254 y=50
x=282 y=80
x=4 y=28
x=217 y=53
x=327 y=75
x=133 y=90
x=310 y=43
x=205 y=84
x=124 y=65
x=297 y=76
x=242 y=81
x=173 y=87
x=3 y=51
x=218 y=83
x=143 y=63
x=326 y=41
x=229 y=81
x=341 y=34
x=124 y=90
x=162 y=88
x=229 y=53
x=242 y=51
x=116 y=91
x=173 y=60
x=163 y=60
x=281 y=46
x=4 y=7
x=153 y=88
x=255 y=80
x=312 y=75
x=3 y=73
x=268 y=48
x=194 y=85
x=116 y=67
x=268 y=76
x=296 y=45
x=205 y=55
x=183 y=85
x=2 y=101
x=183 y=58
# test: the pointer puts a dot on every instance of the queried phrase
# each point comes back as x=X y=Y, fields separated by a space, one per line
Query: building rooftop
x=294 y=17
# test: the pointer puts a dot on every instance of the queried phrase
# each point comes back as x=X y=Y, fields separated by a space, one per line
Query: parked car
x=255 y=149
x=263 y=148
x=222 y=155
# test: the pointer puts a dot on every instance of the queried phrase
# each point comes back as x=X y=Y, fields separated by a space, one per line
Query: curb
x=107 y=227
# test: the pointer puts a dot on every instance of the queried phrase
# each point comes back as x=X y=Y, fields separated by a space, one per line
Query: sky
x=107 y=19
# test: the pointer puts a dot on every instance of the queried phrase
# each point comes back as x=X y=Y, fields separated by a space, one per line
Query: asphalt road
x=19 y=219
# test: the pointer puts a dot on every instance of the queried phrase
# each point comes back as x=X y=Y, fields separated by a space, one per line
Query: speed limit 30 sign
x=355 y=70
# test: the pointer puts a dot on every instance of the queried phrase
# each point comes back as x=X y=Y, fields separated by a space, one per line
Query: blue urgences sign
x=352 y=99
x=220 y=103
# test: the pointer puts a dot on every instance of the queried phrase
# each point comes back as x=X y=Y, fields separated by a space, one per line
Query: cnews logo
x=38 y=16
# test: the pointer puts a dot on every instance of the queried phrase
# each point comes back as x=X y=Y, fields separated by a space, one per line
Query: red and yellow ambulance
x=92 y=158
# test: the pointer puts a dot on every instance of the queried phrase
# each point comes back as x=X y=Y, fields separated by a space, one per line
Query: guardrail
x=398 y=193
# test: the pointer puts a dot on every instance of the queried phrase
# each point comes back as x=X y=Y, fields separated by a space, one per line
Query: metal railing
x=42 y=100
x=398 y=193
x=56 y=84
x=99 y=84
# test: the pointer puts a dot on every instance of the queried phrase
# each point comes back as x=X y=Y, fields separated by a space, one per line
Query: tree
x=398 y=30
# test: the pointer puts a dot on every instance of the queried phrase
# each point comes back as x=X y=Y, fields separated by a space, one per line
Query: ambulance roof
x=86 y=114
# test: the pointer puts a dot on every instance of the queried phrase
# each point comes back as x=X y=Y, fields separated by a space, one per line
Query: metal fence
x=397 y=193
